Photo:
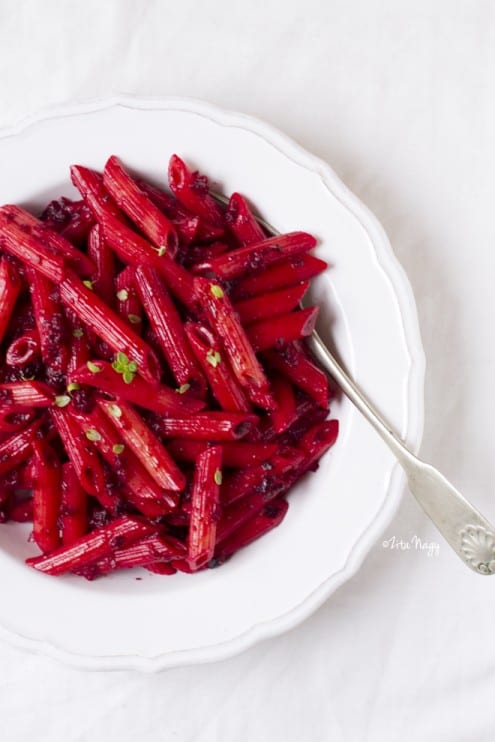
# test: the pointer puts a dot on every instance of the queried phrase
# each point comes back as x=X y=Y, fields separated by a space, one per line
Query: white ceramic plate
x=335 y=514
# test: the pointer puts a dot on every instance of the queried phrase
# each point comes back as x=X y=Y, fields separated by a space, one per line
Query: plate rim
x=404 y=296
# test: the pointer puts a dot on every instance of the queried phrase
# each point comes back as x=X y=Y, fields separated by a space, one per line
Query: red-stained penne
x=140 y=488
x=90 y=184
x=127 y=300
x=25 y=394
x=204 y=507
x=22 y=511
x=241 y=222
x=80 y=349
x=306 y=414
x=104 y=259
x=317 y=440
x=161 y=399
x=109 y=327
x=92 y=546
x=17 y=448
x=258 y=256
x=12 y=421
x=10 y=287
x=144 y=444
x=189 y=226
x=134 y=249
x=209 y=354
x=234 y=454
x=52 y=327
x=30 y=250
x=167 y=324
x=46 y=497
x=270 y=305
x=73 y=508
x=161 y=568
x=30 y=226
x=24 y=350
x=148 y=551
x=191 y=189
x=253 y=528
x=296 y=366
x=83 y=457
x=221 y=316
x=207 y=426
x=199 y=253
x=289 y=273
x=278 y=331
x=185 y=223
x=261 y=477
x=285 y=413
x=138 y=206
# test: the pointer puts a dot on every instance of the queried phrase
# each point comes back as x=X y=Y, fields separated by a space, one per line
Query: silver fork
x=464 y=528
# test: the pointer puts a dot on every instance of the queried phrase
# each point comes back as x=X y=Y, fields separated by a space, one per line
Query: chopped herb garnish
x=161 y=251
x=183 y=388
x=216 y=290
x=89 y=285
x=118 y=448
x=115 y=410
x=213 y=357
x=73 y=387
x=122 y=365
x=93 y=435
x=62 y=400
x=122 y=295
x=218 y=477
x=93 y=367
x=134 y=319
x=78 y=332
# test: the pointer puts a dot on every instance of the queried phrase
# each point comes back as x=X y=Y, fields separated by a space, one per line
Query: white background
x=399 y=97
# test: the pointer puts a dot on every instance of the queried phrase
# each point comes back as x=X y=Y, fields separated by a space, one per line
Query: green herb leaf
x=118 y=448
x=216 y=290
x=213 y=357
x=93 y=367
x=161 y=251
x=122 y=295
x=89 y=285
x=183 y=388
x=62 y=400
x=218 y=477
x=93 y=435
x=115 y=410
x=78 y=332
x=122 y=365
x=73 y=387
x=134 y=319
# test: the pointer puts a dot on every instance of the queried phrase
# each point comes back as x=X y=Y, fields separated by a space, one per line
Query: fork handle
x=465 y=529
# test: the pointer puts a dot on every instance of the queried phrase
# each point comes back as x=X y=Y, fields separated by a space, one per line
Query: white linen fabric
x=397 y=95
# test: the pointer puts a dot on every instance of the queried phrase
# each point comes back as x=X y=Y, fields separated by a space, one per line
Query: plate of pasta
x=178 y=477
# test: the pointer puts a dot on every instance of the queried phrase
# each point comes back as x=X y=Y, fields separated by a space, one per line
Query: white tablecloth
x=398 y=95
